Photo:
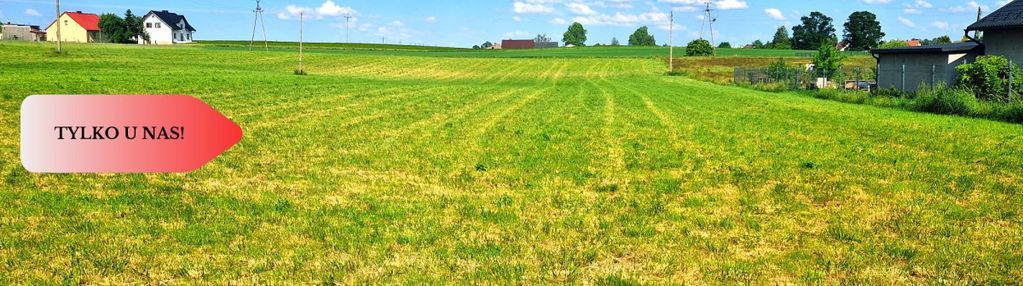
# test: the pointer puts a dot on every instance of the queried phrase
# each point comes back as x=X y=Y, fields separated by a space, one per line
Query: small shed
x=517 y=44
x=908 y=68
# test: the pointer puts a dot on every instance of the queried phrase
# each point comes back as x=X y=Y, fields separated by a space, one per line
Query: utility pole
x=301 y=39
x=58 y=27
x=671 y=43
x=348 y=34
x=976 y=34
x=259 y=19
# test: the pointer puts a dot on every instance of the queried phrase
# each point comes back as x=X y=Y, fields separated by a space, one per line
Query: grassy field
x=397 y=169
x=578 y=52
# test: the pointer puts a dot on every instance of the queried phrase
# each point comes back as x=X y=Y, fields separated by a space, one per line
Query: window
x=157 y=25
x=65 y=22
x=149 y=25
x=189 y=37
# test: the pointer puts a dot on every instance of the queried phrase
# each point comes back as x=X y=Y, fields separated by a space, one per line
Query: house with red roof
x=75 y=27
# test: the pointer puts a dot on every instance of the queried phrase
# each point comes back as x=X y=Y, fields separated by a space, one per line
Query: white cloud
x=907 y=22
x=431 y=19
x=517 y=18
x=32 y=13
x=877 y=1
x=969 y=7
x=580 y=8
x=912 y=11
x=731 y=4
x=397 y=23
x=529 y=8
x=558 y=21
x=941 y=25
x=774 y=13
x=327 y=9
x=924 y=4
x=516 y=34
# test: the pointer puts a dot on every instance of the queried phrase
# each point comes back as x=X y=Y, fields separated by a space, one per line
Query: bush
x=699 y=47
x=988 y=78
x=944 y=100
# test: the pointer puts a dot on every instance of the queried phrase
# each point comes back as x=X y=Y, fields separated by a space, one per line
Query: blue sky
x=465 y=23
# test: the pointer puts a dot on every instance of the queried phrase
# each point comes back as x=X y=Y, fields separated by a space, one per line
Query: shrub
x=894 y=44
x=944 y=100
x=828 y=59
x=988 y=78
x=699 y=47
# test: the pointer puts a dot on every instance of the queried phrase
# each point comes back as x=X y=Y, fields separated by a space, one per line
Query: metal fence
x=798 y=78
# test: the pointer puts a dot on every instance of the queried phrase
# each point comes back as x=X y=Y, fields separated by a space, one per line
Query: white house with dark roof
x=166 y=28
x=909 y=68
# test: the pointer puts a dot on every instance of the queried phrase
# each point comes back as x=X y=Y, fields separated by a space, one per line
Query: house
x=914 y=43
x=22 y=33
x=908 y=68
x=74 y=27
x=166 y=28
x=517 y=44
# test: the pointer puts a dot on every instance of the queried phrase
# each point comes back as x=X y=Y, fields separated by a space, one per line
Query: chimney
x=165 y=11
x=79 y=12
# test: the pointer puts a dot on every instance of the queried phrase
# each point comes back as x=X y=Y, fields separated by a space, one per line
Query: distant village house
x=166 y=28
x=75 y=27
x=22 y=33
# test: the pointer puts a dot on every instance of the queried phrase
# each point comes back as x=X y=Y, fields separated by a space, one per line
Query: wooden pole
x=57 y=22
x=301 y=39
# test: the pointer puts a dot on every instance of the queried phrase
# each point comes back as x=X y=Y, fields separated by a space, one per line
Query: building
x=1003 y=31
x=166 y=28
x=546 y=45
x=76 y=27
x=22 y=33
x=908 y=68
x=517 y=44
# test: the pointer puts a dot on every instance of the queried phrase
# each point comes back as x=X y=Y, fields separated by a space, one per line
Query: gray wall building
x=909 y=68
x=20 y=32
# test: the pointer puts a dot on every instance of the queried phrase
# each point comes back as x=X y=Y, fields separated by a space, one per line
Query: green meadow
x=390 y=168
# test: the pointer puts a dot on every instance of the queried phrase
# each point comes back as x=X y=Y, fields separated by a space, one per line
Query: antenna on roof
x=259 y=19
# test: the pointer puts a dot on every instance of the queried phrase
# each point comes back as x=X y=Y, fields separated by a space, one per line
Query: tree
x=542 y=38
x=112 y=28
x=725 y=45
x=758 y=44
x=781 y=39
x=863 y=31
x=642 y=37
x=487 y=45
x=699 y=47
x=576 y=35
x=476 y=47
x=937 y=41
x=133 y=26
x=828 y=59
x=615 y=43
x=896 y=43
x=815 y=31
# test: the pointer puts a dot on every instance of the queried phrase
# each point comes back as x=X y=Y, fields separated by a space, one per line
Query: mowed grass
x=429 y=51
x=391 y=169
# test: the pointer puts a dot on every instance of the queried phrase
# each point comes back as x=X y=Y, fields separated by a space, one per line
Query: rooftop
x=932 y=49
x=1009 y=16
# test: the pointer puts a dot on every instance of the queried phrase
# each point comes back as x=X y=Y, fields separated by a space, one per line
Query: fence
x=797 y=78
